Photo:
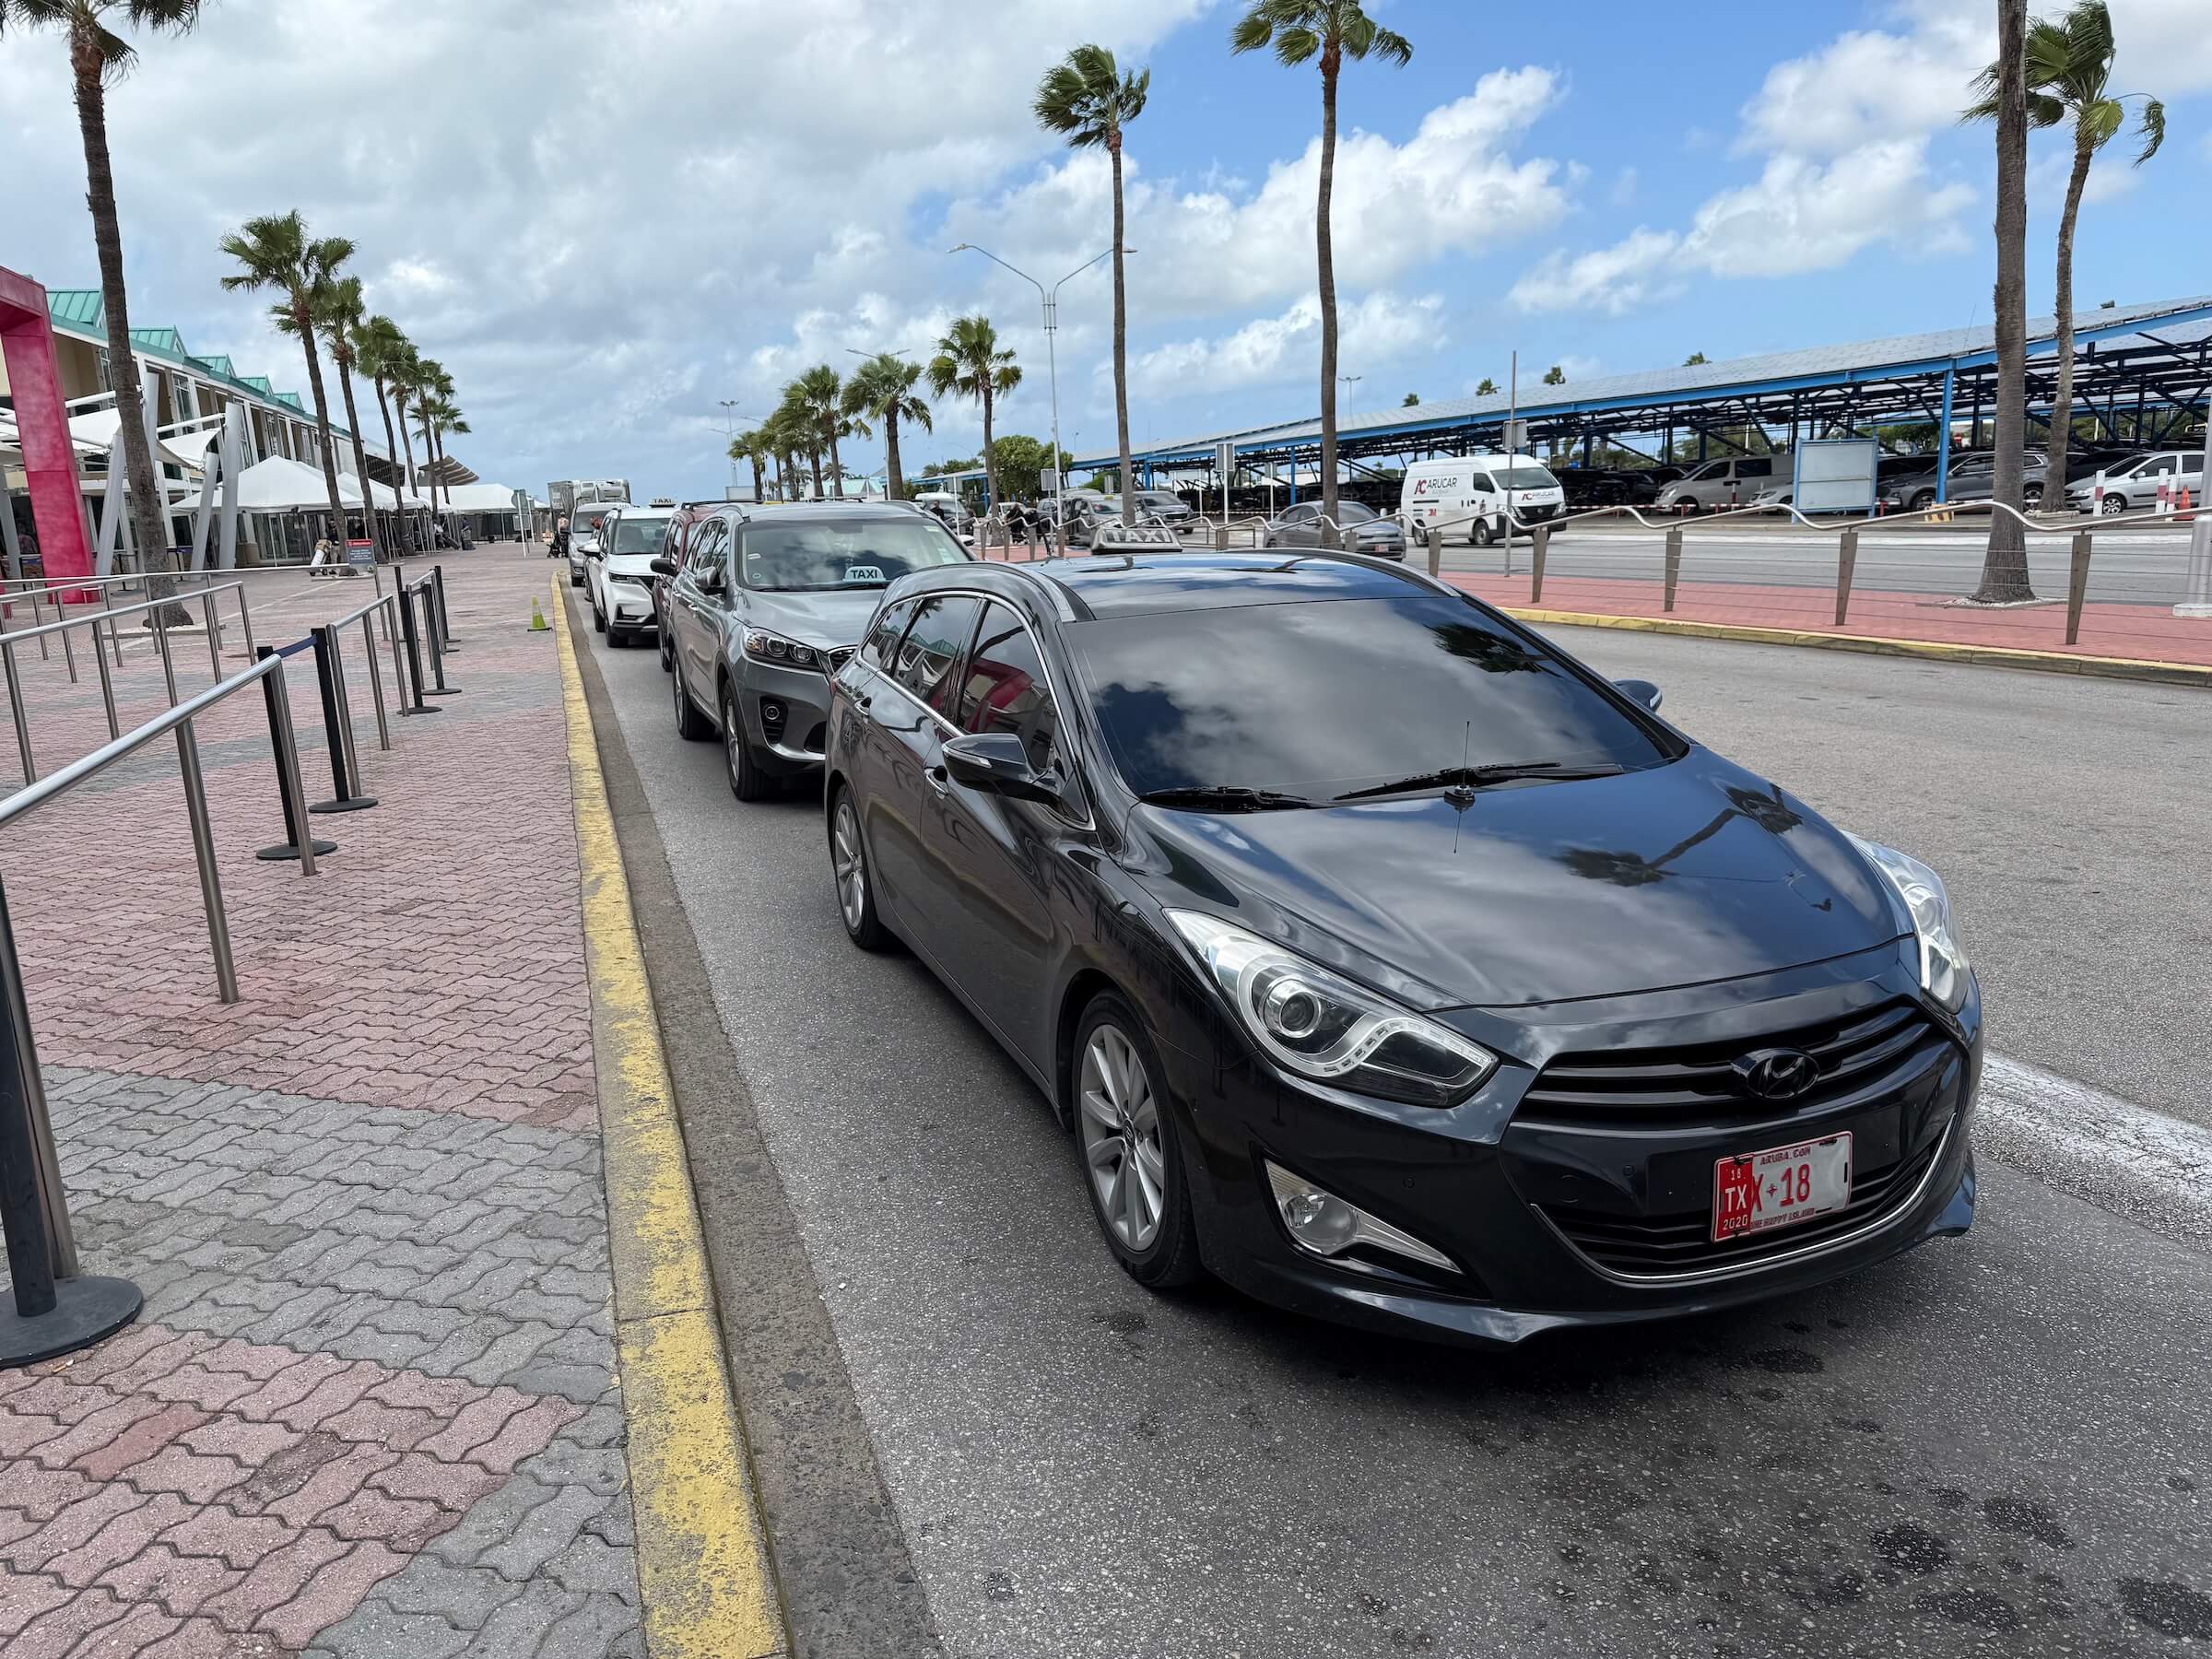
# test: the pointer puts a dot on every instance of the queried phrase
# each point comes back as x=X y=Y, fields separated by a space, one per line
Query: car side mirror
x=711 y=581
x=663 y=565
x=1642 y=691
x=996 y=762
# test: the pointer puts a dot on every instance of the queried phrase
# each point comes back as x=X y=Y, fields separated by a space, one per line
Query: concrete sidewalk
x=372 y=1405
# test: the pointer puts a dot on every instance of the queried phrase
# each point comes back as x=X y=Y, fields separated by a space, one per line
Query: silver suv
x=768 y=603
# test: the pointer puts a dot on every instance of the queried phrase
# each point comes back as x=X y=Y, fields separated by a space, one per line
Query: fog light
x=1324 y=1225
x=771 y=716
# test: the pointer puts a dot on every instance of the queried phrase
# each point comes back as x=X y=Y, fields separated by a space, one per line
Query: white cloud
x=1377 y=329
x=1869 y=85
x=1614 y=280
x=1451 y=186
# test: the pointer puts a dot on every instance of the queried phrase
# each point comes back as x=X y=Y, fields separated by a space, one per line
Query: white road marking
x=2125 y=1157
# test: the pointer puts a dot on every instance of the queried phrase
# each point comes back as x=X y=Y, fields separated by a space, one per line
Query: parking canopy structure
x=2144 y=368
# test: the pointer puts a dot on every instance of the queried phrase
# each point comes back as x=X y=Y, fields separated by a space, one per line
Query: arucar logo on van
x=1422 y=487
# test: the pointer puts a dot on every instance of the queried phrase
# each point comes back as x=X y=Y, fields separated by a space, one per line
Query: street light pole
x=1051 y=301
x=729 y=431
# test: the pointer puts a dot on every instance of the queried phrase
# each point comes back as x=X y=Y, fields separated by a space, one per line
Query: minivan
x=1731 y=481
x=2131 y=486
x=1481 y=496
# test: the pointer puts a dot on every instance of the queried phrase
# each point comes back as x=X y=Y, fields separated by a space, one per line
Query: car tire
x=598 y=619
x=2031 y=495
x=690 y=724
x=668 y=648
x=848 y=870
x=2114 y=504
x=1921 y=501
x=1420 y=537
x=1119 y=1099
x=748 y=782
x=1481 y=536
x=575 y=581
x=620 y=638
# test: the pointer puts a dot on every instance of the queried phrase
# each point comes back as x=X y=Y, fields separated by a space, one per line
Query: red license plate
x=1780 y=1186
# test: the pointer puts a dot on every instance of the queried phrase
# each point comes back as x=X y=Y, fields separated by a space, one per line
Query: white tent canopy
x=279 y=485
x=478 y=498
x=97 y=430
x=387 y=497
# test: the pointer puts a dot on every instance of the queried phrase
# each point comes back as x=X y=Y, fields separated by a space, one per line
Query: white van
x=1731 y=481
x=1479 y=497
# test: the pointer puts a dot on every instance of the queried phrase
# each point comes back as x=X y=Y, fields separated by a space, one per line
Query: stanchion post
x=203 y=851
x=107 y=681
x=107 y=603
x=2077 y=585
x=1673 y=563
x=445 y=620
x=1847 y=566
x=298 y=844
x=376 y=673
x=60 y=614
x=331 y=683
x=1540 y=550
x=436 y=642
x=15 y=707
x=1436 y=549
x=413 y=674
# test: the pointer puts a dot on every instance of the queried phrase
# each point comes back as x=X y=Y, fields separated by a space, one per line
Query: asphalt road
x=2126 y=565
x=1995 y=1446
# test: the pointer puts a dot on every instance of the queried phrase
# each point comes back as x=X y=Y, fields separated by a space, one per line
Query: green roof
x=217 y=365
x=162 y=342
x=259 y=382
x=79 y=308
x=292 y=399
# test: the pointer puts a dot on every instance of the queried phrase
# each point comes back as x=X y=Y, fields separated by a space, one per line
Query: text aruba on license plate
x=1784 y=1185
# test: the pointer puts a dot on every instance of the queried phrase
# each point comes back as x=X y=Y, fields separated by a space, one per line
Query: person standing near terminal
x=561 y=537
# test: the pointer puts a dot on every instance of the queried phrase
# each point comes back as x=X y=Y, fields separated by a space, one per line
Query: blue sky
x=607 y=219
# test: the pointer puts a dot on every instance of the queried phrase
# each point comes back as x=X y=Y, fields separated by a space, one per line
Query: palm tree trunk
x=2061 y=403
x=315 y=384
x=360 y=464
x=406 y=479
x=813 y=465
x=990 y=454
x=837 y=467
x=400 y=509
x=894 y=475
x=754 y=456
x=148 y=504
x=2005 y=565
x=1325 y=259
x=1120 y=342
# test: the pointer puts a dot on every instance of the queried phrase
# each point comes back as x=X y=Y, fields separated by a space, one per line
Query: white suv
x=620 y=571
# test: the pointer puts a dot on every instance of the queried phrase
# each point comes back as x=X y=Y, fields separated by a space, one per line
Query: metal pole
x=107 y=679
x=38 y=619
x=445 y=620
x=169 y=664
x=330 y=684
x=246 y=625
x=215 y=637
x=2196 y=600
x=203 y=851
x=15 y=705
x=1847 y=564
x=297 y=843
x=413 y=675
x=1673 y=563
x=107 y=603
x=45 y=1164
x=2077 y=585
x=60 y=614
x=430 y=615
x=376 y=676
x=1540 y=550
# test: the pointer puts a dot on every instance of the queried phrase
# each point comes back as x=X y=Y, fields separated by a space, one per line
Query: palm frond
x=2153 y=129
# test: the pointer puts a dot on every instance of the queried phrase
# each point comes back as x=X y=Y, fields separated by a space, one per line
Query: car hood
x=829 y=619
x=1682 y=873
x=637 y=565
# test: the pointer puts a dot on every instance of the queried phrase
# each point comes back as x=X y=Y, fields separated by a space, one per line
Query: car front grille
x=1695 y=1085
x=1659 y=1247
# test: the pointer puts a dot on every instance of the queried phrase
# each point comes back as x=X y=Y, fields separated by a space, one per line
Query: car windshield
x=1318 y=699
x=639 y=535
x=842 y=553
x=1526 y=477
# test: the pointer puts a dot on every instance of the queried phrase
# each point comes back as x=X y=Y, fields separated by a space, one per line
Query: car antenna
x=1462 y=793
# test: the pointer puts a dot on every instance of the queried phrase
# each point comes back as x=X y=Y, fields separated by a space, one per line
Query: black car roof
x=1124 y=584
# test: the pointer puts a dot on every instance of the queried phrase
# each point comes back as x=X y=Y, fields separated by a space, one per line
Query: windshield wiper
x=1225 y=797
x=1482 y=777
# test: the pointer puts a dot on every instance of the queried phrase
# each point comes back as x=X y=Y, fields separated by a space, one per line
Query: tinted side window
x=1480 y=484
x=706 y=546
x=891 y=622
x=1004 y=688
x=933 y=644
x=1761 y=468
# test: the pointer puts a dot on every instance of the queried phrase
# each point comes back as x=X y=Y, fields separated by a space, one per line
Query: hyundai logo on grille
x=1776 y=1074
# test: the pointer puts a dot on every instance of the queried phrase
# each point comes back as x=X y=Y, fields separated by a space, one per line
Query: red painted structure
x=43 y=423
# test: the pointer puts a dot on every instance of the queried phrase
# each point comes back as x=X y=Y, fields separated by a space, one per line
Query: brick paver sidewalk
x=370 y=1406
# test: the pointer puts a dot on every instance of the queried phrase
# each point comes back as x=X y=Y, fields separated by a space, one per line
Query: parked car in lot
x=2132 y=485
x=675 y=548
x=619 y=572
x=1386 y=961
x=1164 y=507
x=1716 y=486
x=1972 y=480
x=766 y=607
x=1360 y=529
x=584 y=539
x=1483 y=497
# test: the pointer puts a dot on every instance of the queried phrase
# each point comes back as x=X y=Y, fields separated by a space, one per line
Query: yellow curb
x=1996 y=656
x=704 y=1583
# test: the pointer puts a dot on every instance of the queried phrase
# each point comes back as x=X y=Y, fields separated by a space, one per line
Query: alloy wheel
x=849 y=865
x=1121 y=1146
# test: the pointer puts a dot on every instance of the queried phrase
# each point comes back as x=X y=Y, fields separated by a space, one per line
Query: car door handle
x=864 y=700
x=940 y=779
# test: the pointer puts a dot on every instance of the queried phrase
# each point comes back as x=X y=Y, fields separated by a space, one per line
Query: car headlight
x=1944 y=972
x=765 y=647
x=1309 y=1021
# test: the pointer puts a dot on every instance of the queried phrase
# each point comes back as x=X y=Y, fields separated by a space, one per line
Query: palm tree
x=883 y=389
x=338 y=316
x=434 y=394
x=971 y=362
x=822 y=395
x=2069 y=69
x=276 y=253
x=1087 y=99
x=802 y=429
x=96 y=56
x=752 y=447
x=1332 y=30
x=405 y=371
x=1488 y=389
x=381 y=350
x=2005 y=565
